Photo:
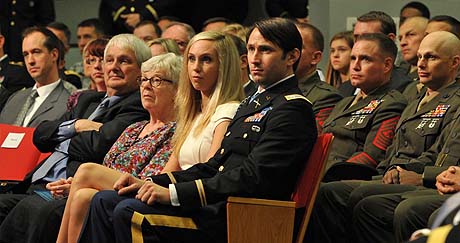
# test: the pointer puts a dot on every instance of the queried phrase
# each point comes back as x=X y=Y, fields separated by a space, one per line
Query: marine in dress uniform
x=363 y=131
x=322 y=95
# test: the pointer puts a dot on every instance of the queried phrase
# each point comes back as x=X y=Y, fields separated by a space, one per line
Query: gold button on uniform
x=12 y=23
x=132 y=9
x=221 y=168
x=245 y=135
x=13 y=13
x=14 y=2
x=222 y=151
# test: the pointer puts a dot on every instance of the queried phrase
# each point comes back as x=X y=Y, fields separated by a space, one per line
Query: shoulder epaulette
x=16 y=63
x=296 y=96
x=71 y=72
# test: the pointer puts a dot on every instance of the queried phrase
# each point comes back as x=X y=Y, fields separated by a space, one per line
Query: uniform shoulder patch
x=71 y=72
x=295 y=97
x=21 y=64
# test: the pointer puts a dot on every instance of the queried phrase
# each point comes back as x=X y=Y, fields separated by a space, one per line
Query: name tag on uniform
x=258 y=116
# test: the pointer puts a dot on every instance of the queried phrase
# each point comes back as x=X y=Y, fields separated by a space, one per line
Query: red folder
x=15 y=163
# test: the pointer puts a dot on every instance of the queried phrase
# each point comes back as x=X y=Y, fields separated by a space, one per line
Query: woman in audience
x=162 y=45
x=339 y=58
x=93 y=53
x=142 y=150
x=208 y=96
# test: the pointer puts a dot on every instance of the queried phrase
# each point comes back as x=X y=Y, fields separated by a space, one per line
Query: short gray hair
x=169 y=63
x=130 y=42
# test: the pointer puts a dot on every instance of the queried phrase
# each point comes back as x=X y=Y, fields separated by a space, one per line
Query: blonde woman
x=207 y=98
x=339 y=58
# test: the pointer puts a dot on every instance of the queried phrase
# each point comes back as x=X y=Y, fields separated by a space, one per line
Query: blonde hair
x=237 y=30
x=168 y=44
x=227 y=89
x=333 y=76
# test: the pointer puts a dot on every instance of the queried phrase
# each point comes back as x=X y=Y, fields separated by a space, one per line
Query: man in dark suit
x=41 y=50
x=263 y=151
x=322 y=95
x=377 y=22
x=84 y=134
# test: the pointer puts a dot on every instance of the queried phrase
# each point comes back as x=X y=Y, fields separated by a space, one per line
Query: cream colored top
x=195 y=149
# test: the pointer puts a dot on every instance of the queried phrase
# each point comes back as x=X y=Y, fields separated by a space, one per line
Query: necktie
x=358 y=97
x=254 y=96
x=425 y=100
x=26 y=107
x=100 y=108
x=58 y=155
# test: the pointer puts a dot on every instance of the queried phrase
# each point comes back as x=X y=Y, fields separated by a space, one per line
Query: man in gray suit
x=47 y=99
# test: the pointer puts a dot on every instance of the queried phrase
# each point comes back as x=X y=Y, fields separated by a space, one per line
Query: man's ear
x=455 y=61
x=243 y=61
x=2 y=41
x=389 y=63
x=392 y=36
x=292 y=56
x=317 y=55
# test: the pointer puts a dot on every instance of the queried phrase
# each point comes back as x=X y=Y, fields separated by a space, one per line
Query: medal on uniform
x=352 y=119
x=369 y=108
x=257 y=103
x=439 y=111
x=433 y=123
x=258 y=116
x=422 y=123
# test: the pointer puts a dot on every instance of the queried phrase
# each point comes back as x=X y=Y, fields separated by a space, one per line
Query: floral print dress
x=141 y=156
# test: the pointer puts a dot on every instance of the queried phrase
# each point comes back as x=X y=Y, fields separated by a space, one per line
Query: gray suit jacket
x=51 y=109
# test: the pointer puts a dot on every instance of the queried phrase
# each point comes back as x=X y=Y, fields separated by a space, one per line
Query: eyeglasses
x=93 y=60
x=154 y=81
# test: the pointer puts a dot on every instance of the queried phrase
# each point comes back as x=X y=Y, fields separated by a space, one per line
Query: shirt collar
x=261 y=90
x=45 y=90
x=3 y=57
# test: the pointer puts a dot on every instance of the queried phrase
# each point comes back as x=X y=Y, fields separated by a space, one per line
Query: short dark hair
x=62 y=27
x=149 y=22
x=453 y=22
x=239 y=43
x=93 y=22
x=422 y=8
x=387 y=25
x=51 y=40
x=281 y=32
x=317 y=36
x=386 y=45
